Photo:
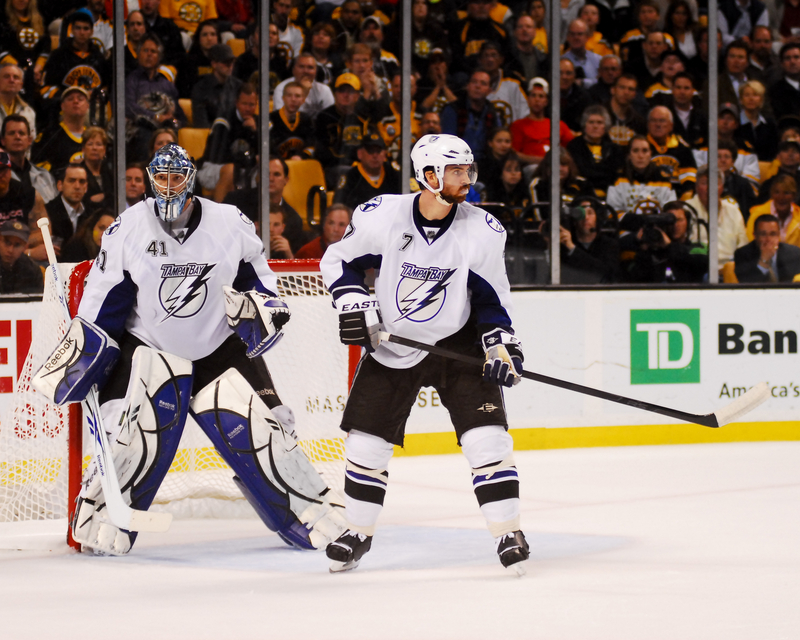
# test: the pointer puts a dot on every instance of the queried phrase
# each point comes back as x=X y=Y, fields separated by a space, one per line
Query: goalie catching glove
x=359 y=324
x=257 y=318
x=503 y=357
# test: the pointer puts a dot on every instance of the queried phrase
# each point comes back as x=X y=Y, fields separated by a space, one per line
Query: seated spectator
x=358 y=61
x=318 y=96
x=510 y=189
x=578 y=53
x=435 y=87
x=784 y=95
x=587 y=255
x=666 y=253
x=161 y=137
x=782 y=205
x=26 y=41
x=432 y=124
x=527 y=57
x=151 y=99
x=279 y=247
x=78 y=60
x=572 y=185
x=337 y=217
x=595 y=41
x=490 y=168
x=766 y=259
x=607 y=73
x=698 y=66
x=788 y=165
x=574 y=98
x=236 y=16
x=740 y=189
x=371 y=176
x=472 y=116
x=135 y=181
x=727 y=125
x=615 y=20
x=689 y=119
x=100 y=175
x=291 y=133
x=293 y=223
x=762 y=57
x=196 y=63
x=188 y=15
x=237 y=130
x=427 y=34
x=631 y=44
x=322 y=46
x=755 y=130
x=288 y=33
x=11 y=80
x=736 y=20
x=18 y=273
x=384 y=62
x=647 y=67
x=21 y=204
x=66 y=212
x=387 y=116
x=530 y=137
x=167 y=31
x=731 y=232
x=595 y=155
x=214 y=95
x=135 y=30
x=60 y=143
x=660 y=92
x=679 y=23
x=640 y=179
x=506 y=94
x=671 y=152
x=347 y=24
x=468 y=34
x=85 y=242
x=16 y=139
x=626 y=121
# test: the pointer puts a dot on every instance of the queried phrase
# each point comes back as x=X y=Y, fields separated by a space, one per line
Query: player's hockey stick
x=729 y=413
x=118 y=511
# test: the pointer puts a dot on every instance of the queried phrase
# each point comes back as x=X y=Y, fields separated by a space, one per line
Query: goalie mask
x=438 y=151
x=172 y=173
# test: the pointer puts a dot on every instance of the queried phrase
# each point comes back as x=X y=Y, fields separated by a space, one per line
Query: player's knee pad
x=146 y=429
x=285 y=416
x=271 y=469
x=83 y=358
x=490 y=452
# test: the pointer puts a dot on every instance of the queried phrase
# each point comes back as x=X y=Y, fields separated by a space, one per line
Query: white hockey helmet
x=438 y=151
x=172 y=173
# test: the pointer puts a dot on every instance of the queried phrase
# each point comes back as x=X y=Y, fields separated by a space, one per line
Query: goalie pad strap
x=83 y=358
x=272 y=471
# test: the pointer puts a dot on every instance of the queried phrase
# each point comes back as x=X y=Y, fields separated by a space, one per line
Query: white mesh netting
x=308 y=366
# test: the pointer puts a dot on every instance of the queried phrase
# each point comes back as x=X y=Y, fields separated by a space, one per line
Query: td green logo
x=665 y=346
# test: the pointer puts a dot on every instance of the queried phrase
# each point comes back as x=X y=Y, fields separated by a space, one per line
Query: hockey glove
x=503 y=358
x=359 y=325
x=256 y=318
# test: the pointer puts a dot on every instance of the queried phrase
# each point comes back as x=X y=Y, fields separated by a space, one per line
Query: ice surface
x=640 y=543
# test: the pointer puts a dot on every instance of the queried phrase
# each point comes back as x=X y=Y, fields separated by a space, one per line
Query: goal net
x=309 y=367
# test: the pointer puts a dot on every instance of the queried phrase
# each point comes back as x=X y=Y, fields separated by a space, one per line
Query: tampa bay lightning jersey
x=429 y=278
x=169 y=293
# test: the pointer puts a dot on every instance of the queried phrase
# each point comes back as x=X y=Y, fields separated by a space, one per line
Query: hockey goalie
x=178 y=309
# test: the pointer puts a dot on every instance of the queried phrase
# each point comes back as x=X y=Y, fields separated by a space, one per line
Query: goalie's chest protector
x=175 y=288
x=425 y=287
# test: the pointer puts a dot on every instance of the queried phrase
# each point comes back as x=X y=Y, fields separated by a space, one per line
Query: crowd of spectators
x=633 y=89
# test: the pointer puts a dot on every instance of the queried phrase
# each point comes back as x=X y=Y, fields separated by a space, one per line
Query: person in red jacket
x=337 y=217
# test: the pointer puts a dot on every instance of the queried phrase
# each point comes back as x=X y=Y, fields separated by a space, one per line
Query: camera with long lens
x=571 y=217
x=651 y=225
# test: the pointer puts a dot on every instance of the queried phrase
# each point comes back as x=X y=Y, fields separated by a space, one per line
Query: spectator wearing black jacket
x=166 y=30
x=784 y=95
x=588 y=256
x=739 y=188
x=766 y=259
x=596 y=156
x=18 y=273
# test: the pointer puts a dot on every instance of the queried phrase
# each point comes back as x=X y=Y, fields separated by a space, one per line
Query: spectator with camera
x=730 y=223
x=766 y=259
x=640 y=179
x=665 y=252
x=588 y=256
x=18 y=273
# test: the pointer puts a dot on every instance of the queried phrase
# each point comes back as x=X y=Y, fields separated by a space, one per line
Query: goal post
x=42 y=452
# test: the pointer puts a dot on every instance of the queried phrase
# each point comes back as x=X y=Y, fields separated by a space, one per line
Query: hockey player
x=176 y=279
x=442 y=280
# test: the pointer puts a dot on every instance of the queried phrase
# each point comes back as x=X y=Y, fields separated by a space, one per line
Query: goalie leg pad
x=145 y=430
x=84 y=358
x=274 y=474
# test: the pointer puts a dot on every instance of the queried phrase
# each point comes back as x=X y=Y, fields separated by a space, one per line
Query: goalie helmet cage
x=43 y=453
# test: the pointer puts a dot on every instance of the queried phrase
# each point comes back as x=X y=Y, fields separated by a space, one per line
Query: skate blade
x=341 y=567
x=518 y=569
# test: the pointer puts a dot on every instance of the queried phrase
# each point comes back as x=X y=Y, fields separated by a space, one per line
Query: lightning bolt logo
x=425 y=300
x=186 y=298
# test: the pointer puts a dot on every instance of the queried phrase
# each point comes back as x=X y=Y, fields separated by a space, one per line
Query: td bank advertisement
x=690 y=350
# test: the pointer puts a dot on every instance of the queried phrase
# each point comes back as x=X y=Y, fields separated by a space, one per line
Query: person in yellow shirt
x=187 y=14
x=780 y=204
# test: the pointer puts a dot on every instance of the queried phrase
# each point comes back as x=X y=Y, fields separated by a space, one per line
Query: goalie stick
x=730 y=412
x=121 y=514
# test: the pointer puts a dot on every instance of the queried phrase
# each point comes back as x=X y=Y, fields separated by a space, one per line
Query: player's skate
x=346 y=551
x=512 y=548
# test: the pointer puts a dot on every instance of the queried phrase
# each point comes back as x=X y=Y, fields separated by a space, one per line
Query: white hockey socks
x=365 y=479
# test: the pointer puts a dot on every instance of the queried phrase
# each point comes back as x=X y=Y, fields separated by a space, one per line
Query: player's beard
x=456 y=198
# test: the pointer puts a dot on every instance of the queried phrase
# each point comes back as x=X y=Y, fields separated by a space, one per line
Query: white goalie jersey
x=426 y=287
x=168 y=292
